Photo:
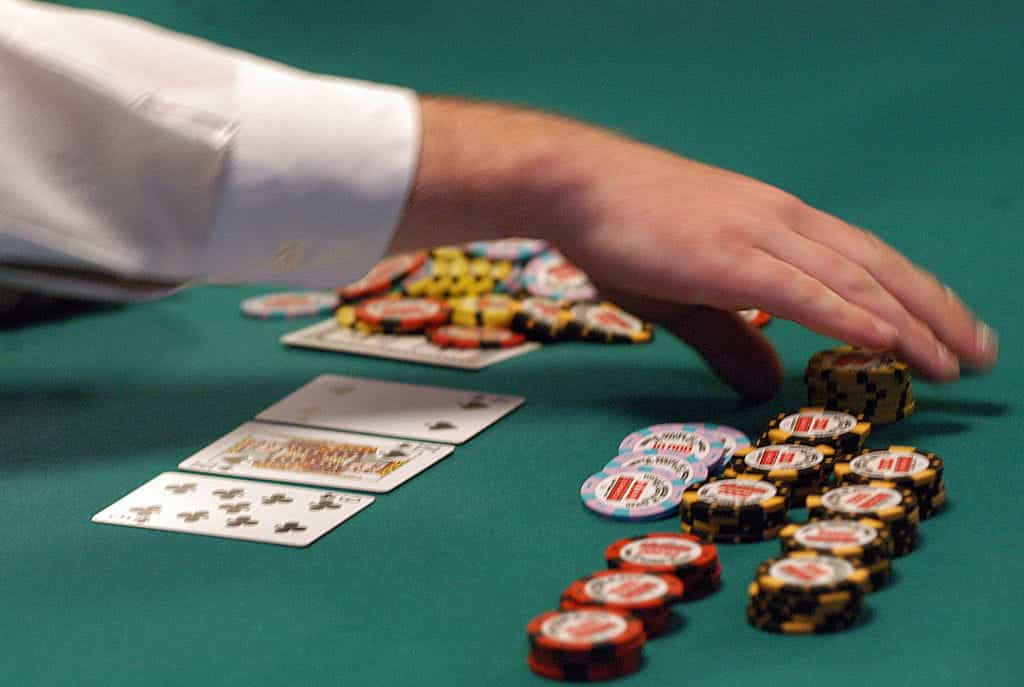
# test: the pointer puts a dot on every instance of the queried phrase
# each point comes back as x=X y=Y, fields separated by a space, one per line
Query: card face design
x=328 y=336
x=234 y=509
x=391 y=409
x=314 y=456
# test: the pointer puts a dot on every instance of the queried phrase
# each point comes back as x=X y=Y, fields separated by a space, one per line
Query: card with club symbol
x=355 y=404
x=233 y=509
x=315 y=456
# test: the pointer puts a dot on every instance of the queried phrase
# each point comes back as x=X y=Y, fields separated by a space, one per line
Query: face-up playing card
x=234 y=509
x=414 y=348
x=391 y=409
x=316 y=456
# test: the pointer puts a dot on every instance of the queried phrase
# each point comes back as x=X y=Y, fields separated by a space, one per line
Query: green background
x=904 y=117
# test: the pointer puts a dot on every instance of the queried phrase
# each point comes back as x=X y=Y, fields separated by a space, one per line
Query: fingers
x=787 y=291
x=738 y=354
x=851 y=281
x=923 y=296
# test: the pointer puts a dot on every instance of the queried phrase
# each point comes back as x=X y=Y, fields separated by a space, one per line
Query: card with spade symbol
x=413 y=411
x=315 y=456
x=233 y=509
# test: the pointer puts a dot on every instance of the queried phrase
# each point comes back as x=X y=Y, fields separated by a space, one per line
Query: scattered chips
x=290 y=304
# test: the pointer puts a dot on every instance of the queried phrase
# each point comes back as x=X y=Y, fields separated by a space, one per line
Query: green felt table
x=904 y=117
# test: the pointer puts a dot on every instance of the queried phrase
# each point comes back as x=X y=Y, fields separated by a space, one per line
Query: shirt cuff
x=317 y=180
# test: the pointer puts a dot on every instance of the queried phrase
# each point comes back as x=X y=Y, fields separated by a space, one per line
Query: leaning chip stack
x=806 y=593
x=647 y=596
x=803 y=468
x=385 y=275
x=865 y=542
x=746 y=508
x=585 y=645
x=878 y=499
x=813 y=426
x=685 y=556
x=906 y=466
x=873 y=385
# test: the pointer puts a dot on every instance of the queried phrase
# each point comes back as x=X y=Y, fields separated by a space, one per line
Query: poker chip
x=906 y=466
x=740 y=509
x=403 y=315
x=512 y=283
x=542 y=319
x=638 y=493
x=586 y=635
x=608 y=323
x=816 y=425
x=514 y=249
x=686 y=467
x=550 y=275
x=447 y=253
x=591 y=672
x=882 y=500
x=289 y=304
x=685 y=556
x=460 y=336
x=806 y=592
x=346 y=318
x=491 y=310
x=873 y=385
x=754 y=317
x=865 y=542
x=384 y=275
x=683 y=438
x=645 y=595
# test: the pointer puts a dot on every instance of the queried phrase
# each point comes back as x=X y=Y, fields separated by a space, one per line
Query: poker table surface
x=902 y=117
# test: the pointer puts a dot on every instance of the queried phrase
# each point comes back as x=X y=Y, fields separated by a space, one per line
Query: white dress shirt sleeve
x=136 y=159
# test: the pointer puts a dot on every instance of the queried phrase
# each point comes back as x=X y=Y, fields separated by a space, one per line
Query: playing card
x=391 y=409
x=328 y=336
x=234 y=509
x=316 y=456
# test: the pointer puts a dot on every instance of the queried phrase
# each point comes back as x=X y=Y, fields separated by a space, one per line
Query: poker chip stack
x=685 y=556
x=803 y=469
x=873 y=385
x=745 y=508
x=644 y=595
x=878 y=499
x=815 y=425
x=905 y=466
x=586 y=645
x=865 y=543
x=637 y=491
x=806 y=593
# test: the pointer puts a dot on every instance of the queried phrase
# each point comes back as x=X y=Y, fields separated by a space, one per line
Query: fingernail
x=948 y=360
x=986 y=340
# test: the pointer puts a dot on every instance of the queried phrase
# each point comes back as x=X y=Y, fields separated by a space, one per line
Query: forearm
x=488 y=170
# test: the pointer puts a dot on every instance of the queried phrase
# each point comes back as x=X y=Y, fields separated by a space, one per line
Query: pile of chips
x=874 y=386
x=816 y=426
x=605 y=619
x=735 y=510
x=646 y=480
x=585 y=645
x=688 y=558
x=866 y=543
x=905 y=466
x=878 y=499
x=806 y=592
x=486 y=294
x=803 y=469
